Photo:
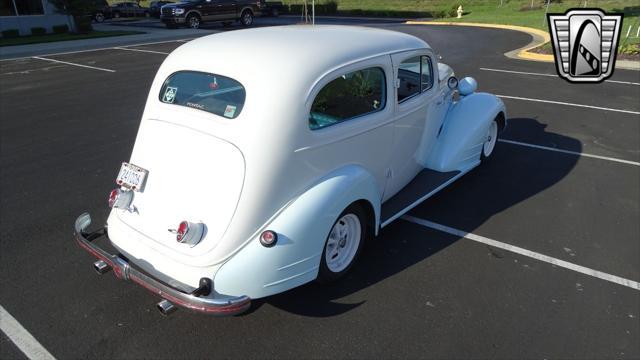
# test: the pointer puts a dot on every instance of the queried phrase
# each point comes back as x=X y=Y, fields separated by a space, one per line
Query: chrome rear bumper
x=214 y=303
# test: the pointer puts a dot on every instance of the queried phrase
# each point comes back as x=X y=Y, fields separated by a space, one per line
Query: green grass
x=35 y=39
x=511 y=12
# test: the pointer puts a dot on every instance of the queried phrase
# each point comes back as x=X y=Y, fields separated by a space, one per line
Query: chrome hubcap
x=490 y=143
x=343 y=243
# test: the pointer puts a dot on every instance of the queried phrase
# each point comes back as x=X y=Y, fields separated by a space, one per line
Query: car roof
x=307 y=50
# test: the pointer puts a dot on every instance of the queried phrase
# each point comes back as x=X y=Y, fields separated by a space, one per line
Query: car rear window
x=212 y=93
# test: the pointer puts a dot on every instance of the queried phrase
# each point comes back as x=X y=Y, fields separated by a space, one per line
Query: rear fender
x=464 y=132
x=302 y=228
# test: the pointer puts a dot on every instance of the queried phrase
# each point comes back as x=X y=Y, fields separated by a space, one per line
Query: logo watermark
x=585 y=44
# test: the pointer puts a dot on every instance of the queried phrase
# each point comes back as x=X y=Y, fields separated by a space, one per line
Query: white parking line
x=141 y=50
x=46 y=68
x=552 y=75
x=528 y=253
x=21 y=337
x=568 y=104
x=100 y=49
x=74 y=64
x=628 y=162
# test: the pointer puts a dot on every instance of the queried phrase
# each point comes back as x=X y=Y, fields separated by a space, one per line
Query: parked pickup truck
x=192 y=13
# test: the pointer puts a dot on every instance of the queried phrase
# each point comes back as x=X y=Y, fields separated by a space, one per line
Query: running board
x=423 y=186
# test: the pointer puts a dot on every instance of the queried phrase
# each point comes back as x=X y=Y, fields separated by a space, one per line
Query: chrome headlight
x=179 y=11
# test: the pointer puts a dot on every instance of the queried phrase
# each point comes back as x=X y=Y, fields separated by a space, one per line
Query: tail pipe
x=166 y=307
x=101 y=267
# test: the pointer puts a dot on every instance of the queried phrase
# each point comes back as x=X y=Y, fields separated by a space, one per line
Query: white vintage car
x=245 y=183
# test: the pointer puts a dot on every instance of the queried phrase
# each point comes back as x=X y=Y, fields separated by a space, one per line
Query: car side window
x=426 y=74
x=351 y=95
x=415 y=75
x=409 y=76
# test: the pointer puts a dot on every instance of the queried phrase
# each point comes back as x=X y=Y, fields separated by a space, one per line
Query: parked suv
x=194 y=12
x=155 y=6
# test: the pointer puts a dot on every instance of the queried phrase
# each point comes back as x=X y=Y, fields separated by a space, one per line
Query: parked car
x=271 y=8
x=245 y=183
x=102 y=10
x=154 y=7
x=192 y=13
x=129 y=9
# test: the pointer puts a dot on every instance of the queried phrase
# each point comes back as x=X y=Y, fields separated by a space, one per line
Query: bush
x=83 y=24
x=331 y=7
x=629 y=49
x=38 y=31
x=440 y=14
x=328 y=8
x=10 y=33
x=295 y=9
x=61 y=29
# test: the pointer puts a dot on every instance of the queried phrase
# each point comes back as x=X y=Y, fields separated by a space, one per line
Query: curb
x=539 y=37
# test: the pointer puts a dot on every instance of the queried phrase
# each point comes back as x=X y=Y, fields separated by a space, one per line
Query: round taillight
x=268 y=238
x=183 y=229
x=113 y=197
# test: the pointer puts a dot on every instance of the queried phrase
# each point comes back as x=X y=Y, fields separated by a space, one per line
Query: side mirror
x=467 y=86
x=452 y=83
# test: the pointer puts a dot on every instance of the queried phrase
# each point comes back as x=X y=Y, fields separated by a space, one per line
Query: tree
x=79 y=10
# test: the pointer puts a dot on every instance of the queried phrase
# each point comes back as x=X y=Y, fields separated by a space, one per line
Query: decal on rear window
x=170 y=94
x=215 y=94
x=229 y=111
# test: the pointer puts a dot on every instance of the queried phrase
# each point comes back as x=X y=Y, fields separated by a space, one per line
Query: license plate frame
x=132 y=177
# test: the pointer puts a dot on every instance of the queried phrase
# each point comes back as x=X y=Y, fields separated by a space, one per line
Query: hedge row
x=331 y=8
x=14 y=33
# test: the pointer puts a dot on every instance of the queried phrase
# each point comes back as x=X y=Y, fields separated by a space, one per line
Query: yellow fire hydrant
x=460 y=11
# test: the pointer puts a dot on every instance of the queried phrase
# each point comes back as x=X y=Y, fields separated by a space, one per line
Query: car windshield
x=212 y=93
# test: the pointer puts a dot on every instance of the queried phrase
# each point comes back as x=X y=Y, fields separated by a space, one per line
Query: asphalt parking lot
x=534 y=255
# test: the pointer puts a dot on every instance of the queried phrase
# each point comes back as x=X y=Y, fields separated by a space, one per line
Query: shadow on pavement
x=506 y=180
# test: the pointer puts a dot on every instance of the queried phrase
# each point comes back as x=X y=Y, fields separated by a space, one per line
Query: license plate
x=132 y=177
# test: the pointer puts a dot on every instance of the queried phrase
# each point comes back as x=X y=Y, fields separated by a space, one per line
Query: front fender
x=302 y=228
x=464 y=132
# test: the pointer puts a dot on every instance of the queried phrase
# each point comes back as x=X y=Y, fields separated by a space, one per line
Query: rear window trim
x=160 y=94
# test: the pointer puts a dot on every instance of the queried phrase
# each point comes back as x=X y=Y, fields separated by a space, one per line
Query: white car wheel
x=490 y=140
x=343 y=243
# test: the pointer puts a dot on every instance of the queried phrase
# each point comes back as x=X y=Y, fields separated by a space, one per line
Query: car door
x=227 y=9
x=129 y=10
x=350 y=120
x=208 y=9
x=136 y=10
x=414 y=131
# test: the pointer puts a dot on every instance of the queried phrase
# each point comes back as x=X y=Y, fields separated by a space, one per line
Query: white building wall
x=24 y=23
